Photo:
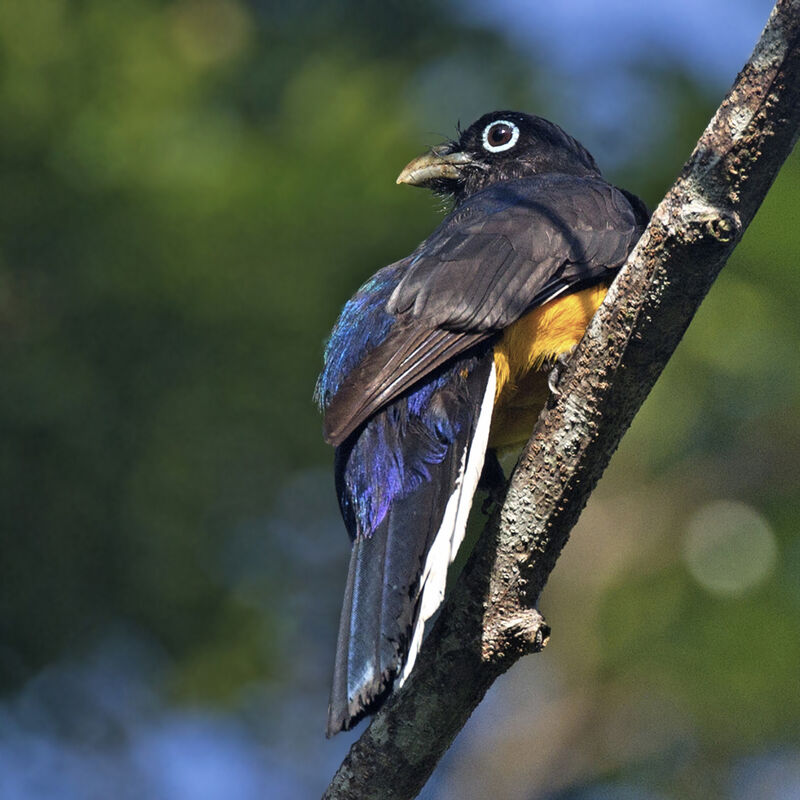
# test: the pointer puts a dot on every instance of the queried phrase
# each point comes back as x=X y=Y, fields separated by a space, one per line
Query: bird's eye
x=500 y=135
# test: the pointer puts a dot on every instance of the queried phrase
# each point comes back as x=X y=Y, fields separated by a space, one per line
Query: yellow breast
x=524 y=357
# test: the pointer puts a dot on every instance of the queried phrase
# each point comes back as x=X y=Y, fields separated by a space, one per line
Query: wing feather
x=395 y=366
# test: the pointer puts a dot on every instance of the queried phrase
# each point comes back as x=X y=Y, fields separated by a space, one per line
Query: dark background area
x=190 y=191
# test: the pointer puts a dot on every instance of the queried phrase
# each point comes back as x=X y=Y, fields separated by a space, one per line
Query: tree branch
x=489 y=620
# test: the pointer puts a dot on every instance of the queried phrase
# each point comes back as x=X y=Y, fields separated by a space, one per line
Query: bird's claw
x=562 y=359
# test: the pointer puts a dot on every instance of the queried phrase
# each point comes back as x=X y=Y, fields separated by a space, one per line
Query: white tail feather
x=454 y=523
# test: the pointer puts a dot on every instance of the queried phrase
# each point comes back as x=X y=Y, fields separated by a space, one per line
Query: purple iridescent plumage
x=394 y=452
x=373 y=468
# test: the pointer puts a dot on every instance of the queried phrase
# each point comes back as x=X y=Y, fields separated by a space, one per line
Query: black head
x=500 y=146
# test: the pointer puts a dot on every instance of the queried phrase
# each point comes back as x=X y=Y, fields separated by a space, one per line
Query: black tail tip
x=336 y=723
x=346 y=715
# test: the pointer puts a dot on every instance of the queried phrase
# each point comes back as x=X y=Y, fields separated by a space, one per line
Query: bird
x=441 y=360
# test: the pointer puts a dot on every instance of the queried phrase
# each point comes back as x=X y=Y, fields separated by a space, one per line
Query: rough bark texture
x=489 y=620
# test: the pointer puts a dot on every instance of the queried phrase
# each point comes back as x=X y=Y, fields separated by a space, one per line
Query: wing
x=408 y=354
x=505 y=251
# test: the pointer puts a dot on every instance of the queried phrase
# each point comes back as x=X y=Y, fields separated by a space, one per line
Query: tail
x=397 y=574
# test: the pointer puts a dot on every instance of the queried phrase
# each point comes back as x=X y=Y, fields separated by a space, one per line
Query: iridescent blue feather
x=362 y=326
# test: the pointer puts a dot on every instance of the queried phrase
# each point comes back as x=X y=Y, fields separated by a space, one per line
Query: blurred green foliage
x=190 y=192
x=188 y=199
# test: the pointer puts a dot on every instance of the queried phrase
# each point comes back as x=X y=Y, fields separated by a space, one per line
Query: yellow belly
x=524 y=357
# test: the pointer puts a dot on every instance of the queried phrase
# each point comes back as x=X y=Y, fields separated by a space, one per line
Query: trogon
x=444 y=356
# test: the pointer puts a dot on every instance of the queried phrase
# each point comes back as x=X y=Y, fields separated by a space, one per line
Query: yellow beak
x=433 y=166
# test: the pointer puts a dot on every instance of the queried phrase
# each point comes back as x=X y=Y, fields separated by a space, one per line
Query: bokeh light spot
x=207 y=32
x=729 y=547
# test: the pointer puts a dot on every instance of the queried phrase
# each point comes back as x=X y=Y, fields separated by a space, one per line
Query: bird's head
x=500 y=146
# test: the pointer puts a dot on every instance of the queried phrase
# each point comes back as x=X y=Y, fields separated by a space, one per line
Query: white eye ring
x=498 y=148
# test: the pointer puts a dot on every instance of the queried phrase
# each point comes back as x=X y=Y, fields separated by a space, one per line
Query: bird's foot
x=493 y=480
x=558 y=370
